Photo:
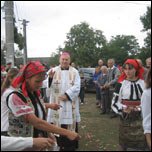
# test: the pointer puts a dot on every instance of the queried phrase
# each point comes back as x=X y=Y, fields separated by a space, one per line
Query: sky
x=50 y=21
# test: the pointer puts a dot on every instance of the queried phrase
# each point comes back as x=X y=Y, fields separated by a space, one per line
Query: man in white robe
x=64 y=83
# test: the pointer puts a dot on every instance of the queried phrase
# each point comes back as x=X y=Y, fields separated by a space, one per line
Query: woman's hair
x=148 y=79
x=11 y=74
x=130 y=67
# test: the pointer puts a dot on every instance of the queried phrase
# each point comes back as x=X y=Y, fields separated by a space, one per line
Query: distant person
x=73 y=64
x=126 y=102
x=102 y=79
x=113 y=74
x=21 y=66
x=8 y=66
x=140 y=61
x=82 y=88
x=146 y=108
x=148 y=65
x=6 y=89
x=97 y=73
x=3 y=74
x=100 y=63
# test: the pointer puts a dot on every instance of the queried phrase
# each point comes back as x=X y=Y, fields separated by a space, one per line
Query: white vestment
x=65 y=81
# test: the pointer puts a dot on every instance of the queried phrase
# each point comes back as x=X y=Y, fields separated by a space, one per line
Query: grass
x=99 y=132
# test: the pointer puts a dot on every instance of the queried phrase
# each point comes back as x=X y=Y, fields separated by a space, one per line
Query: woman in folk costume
x=126 y=102
x=64 y=82
x=27 y=109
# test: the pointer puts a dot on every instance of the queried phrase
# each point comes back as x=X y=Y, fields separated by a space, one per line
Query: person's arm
x=15 y=143
x=45 y=126
x=148 y=138
x=116 y=101
x=73 y=92
x=21 y=143
x=53 y=106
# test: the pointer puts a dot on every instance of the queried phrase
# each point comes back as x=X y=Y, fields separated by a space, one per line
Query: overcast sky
x=50 y=21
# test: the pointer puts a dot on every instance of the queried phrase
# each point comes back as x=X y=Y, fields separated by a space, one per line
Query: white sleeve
x=116 y=101
x=15 y=143
x=18 y=107
x=73 y=92
x=146 y=111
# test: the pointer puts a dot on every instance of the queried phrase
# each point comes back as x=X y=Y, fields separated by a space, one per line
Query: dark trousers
x=98 y=95
x=104 y=101
x=65 y=144
x=81 y=95
x=110 y=99
x=4 y=133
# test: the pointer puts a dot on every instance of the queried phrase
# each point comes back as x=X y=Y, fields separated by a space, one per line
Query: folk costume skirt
x=131 y=134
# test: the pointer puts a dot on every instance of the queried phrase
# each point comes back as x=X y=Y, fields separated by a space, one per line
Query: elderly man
x=100 y=63
x=113 y=74
x=64 y=82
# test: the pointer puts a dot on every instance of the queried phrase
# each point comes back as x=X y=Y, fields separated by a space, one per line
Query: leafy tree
x=145 y=51
x=122 y=47
x=3 y=53
x=84 y=44
x=54 y=60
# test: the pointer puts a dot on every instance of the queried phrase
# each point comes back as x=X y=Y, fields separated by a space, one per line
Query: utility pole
x=9 y=31
x=25 y=43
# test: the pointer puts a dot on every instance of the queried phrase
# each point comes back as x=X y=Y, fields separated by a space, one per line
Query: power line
x=136 y=3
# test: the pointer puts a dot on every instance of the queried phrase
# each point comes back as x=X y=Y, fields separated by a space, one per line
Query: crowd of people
x=32 y=121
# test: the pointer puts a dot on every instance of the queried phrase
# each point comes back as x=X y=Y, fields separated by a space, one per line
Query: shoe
x=102 y=113
x=81 y=103
x=113 y=115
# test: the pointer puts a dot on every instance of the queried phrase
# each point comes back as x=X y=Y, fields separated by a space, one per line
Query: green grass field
x=99 y=132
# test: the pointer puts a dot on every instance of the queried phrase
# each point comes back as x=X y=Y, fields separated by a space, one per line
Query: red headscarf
x=31 y=69
x=138 y=68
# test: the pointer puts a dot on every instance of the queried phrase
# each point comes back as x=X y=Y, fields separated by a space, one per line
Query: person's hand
x=73 y=135
x=101 y=87
x=51 y=136
x=51 y=74
x=95 y=82
x=127 y=110
x=63 y=97
x=42 y=143
x=107 y=85
x=55 y=106
x=137 y=108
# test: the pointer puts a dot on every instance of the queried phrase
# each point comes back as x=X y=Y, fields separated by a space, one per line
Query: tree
x=3 y=53
x=122 y=47
x=84 y=44
x=145 y=51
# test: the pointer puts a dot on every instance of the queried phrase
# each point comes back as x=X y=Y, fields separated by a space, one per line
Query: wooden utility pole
x=9 y=31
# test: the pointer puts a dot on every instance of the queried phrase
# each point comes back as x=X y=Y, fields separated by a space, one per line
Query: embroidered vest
x=57 y=90
x=19 y=126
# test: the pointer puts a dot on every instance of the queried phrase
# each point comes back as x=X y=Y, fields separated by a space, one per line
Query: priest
x=64 y=83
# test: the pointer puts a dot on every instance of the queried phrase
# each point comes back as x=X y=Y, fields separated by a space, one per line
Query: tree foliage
x=84 y=44
x=122 y=47
x=145 y=51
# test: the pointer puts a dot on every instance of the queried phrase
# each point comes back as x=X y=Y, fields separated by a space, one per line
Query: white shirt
x=4 y=109
x=15 y=143
x=125 y=93
x=146 y=110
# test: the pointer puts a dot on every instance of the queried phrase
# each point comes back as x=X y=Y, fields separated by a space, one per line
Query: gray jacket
x=113 y=75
